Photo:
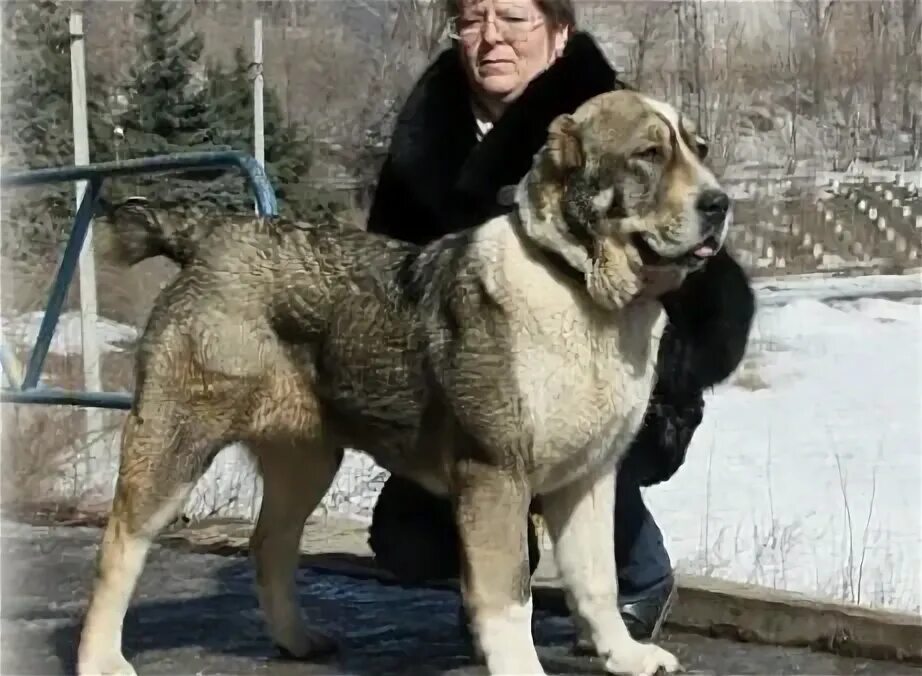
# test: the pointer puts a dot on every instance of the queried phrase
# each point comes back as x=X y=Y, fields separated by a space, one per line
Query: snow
x=806 y=473
x=777 y=291
x=830 y=433
x=67 y=338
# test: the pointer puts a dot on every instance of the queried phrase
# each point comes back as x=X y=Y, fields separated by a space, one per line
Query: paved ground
x=197 y=614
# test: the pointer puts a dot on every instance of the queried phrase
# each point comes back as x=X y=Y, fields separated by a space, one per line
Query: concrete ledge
x=748 y=613
x=752 y=613
x=706 y=606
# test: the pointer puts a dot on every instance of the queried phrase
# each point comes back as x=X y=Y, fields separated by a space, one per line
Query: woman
x=469 y=128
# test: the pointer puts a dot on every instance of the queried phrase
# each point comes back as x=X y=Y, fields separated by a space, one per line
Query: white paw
x=109 y=665
x=642 y=659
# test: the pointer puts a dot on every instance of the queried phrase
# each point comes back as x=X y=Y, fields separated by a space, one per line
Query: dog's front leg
x=580 y=521
x=492 y=513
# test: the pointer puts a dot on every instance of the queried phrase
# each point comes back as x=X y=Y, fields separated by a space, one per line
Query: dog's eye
x=651 y=154
x=701 y=146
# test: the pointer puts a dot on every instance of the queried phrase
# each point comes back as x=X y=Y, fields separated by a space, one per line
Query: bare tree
x=694 y=24
x=682 y=86
x=911 y=59
x=649 y=30
x=415 y=32
x=723 y=93
x=645 y=23
x=819 y=15
x=423 y=24
x=411 y=34
x=878 y=18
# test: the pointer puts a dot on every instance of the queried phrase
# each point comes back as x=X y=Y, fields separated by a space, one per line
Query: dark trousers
x=413 y=534
x=639 y=548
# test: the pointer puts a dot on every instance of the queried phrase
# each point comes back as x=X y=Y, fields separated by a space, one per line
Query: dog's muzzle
x=713 y=206
x=714 y=215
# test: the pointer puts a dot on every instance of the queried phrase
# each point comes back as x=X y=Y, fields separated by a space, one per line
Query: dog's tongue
x=704 y=251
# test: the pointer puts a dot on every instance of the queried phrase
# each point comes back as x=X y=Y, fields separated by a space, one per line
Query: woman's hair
x=559 y=13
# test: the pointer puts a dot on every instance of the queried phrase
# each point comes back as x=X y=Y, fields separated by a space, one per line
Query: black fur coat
x=437 y=179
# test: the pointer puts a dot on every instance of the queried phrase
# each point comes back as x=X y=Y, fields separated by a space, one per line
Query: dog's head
x=620 y=191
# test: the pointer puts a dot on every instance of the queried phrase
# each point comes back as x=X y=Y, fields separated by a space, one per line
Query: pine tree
x=167 y=109
x=37 y=129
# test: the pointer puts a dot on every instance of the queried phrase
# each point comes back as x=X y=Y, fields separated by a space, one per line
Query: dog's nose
x=713 y=205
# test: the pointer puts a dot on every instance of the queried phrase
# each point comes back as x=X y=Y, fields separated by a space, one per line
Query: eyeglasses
x=512 y=22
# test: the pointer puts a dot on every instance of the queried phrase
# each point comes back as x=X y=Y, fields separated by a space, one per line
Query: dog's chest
x=584 y=391
x=583 y=377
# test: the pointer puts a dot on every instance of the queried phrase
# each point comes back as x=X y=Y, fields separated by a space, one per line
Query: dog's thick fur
x=511 y=359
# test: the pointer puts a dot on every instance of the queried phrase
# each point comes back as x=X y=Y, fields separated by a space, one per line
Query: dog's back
x=283 y=311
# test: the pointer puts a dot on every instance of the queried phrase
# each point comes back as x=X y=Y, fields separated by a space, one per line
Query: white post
x=259 y=150
x=259 y=143
x=91 y=371
x=258 y=129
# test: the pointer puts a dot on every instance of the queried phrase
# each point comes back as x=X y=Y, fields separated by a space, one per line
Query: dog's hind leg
x=580 y=521
x=164 y=452
x=295 y=479
x=492 y=513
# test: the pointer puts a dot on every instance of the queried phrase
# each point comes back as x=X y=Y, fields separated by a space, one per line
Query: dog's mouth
x=696 y=256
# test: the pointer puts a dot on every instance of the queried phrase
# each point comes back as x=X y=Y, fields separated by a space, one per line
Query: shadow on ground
x=198 y=614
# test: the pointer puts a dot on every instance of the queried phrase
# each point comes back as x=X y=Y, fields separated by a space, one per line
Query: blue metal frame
x=29 y=391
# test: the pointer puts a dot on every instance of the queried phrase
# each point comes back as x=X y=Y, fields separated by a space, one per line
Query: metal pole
x=91 y=370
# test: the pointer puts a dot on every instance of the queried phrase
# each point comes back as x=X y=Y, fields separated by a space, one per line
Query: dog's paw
x=312 y=644
x=642 y=659
x=110 y=665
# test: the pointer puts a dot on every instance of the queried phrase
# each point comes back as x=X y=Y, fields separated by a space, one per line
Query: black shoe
x=643 y=612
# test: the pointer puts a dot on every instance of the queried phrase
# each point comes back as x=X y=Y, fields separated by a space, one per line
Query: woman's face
x=504 y=44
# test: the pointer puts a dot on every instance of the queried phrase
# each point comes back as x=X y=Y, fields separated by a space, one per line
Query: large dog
x=513 y=359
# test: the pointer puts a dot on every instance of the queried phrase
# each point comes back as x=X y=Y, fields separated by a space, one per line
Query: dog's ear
x=698 y=143
x=565 y=146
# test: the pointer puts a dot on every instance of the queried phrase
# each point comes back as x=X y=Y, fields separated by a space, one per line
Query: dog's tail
x=136 y=231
